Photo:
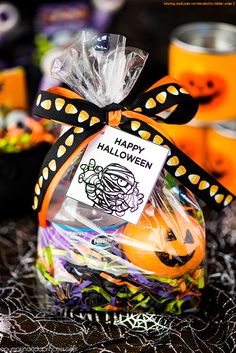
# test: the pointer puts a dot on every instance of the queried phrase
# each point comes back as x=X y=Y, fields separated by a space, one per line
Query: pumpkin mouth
x=218 y=175
x=208 y=98
x=173 y=261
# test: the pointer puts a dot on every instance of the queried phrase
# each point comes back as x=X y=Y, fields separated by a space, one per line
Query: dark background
x=147 y=24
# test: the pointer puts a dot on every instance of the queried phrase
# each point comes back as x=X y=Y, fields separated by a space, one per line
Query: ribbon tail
x=178 y=164
x=166 y=100
x=65 y=107
x=56 y=162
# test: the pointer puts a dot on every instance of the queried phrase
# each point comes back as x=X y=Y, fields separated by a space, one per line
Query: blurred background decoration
x=30 y=38
x=23 y=143
x=32 y=34
x=202 y=56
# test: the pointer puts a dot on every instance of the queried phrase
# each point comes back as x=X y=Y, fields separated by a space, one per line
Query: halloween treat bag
x=118 y=230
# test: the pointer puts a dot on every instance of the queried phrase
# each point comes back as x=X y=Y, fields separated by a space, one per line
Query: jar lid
x=206 y=37
x=227 y=129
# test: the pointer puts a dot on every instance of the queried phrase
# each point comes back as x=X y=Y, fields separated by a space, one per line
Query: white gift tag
x=117 y=173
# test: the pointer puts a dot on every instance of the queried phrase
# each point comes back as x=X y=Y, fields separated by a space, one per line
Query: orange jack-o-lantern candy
x=165 y=244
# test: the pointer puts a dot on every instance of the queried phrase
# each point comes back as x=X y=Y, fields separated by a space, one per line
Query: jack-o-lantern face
x=168 y=248
x=188 y=147
x=208 y=89
x=221 y=167
x=217 y=165
x=189 y=139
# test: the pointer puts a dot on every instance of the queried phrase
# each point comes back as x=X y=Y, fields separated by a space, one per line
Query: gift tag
x=117 y=173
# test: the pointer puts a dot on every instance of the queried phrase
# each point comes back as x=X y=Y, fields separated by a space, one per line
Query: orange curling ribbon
x=165 y=101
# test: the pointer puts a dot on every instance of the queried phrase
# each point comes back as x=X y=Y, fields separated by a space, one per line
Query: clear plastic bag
x=97 y=262
x=100 y=68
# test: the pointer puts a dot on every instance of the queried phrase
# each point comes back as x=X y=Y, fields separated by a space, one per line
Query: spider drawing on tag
x=112 y=188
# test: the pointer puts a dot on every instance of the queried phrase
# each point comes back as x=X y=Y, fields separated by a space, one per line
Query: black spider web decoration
x=25 y=326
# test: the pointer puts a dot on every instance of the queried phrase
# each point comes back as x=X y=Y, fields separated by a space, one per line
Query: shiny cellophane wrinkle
x=96 y=262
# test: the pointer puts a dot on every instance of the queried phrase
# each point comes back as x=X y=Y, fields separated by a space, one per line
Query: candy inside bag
x=94 y=261
x=90 y=259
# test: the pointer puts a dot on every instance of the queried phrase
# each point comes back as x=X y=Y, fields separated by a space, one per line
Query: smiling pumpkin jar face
x=208 y=89
x=168 y=250
x=202 y=56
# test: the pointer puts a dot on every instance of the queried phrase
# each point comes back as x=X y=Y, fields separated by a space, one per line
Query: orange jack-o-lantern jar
x=202 y=57
x=221 y=147
x=167 y=245
x=190 y=139
x=208 y=89
x=222 y=168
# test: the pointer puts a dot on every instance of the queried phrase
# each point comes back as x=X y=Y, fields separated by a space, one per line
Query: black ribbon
x=87 y=119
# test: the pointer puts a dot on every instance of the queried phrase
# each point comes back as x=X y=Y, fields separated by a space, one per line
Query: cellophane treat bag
x=94 y=252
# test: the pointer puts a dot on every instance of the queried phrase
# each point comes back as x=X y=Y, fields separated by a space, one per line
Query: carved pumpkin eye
x=171 y=236
x=170 y=258
x=210 y=84
x=188 y=237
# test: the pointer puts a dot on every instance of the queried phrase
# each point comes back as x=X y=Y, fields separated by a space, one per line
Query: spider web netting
x=26 y=327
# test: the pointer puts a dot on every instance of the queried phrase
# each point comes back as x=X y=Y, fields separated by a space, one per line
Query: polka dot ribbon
x=165 y=101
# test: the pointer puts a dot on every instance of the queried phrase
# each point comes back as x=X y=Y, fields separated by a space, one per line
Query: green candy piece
x=174 y=307
x=25 y=138
x=171 y=180
x=3 y=143
x=97 y=289
x=49 y=256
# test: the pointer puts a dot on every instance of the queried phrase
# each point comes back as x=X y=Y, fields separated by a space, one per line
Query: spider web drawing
x=27 y=325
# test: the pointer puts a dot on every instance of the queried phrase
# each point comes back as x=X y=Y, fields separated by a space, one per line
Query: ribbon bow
x=87 y=120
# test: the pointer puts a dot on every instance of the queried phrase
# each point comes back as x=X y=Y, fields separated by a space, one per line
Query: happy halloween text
x=125 y=155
